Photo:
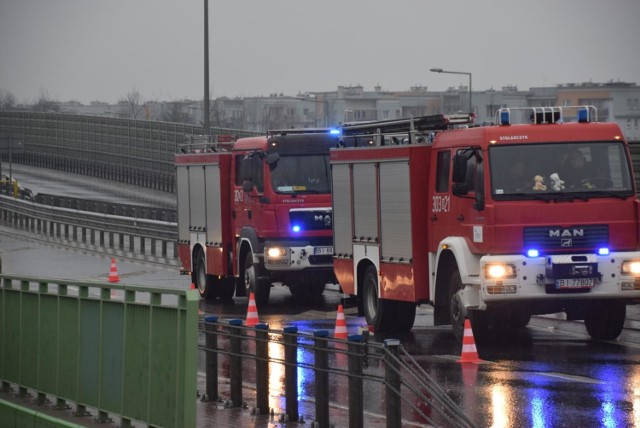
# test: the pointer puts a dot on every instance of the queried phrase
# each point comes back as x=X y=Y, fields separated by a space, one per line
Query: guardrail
x=384 y=370
x=123 y=351
x=118 y=235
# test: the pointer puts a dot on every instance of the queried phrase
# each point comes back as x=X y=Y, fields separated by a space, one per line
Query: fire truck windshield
x=581 y=169
x=301 y=174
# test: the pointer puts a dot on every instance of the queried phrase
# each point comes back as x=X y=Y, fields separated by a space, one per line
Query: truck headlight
x=498 y=271
x=630 y=267
x=276 y=252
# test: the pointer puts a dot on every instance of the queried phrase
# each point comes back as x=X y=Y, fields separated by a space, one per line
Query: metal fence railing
x=132 y=237
x=120 y=350
x=385 y=370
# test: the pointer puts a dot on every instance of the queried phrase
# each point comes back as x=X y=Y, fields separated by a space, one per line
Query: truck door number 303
x=441 y=204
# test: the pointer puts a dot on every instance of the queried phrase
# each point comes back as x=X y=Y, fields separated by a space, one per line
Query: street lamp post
x=206 y=124
x=439 y=70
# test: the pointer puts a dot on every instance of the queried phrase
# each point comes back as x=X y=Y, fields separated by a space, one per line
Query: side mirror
x=460 y=189
x=247 y=186
x=460 y=168
x=272 y=158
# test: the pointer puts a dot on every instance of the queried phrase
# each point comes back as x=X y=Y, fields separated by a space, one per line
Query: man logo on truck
x=566 y=233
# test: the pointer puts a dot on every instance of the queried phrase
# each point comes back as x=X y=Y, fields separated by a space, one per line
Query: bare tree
x=131 y=105
x=175 y=112
x=46 y=103
x=8 y=101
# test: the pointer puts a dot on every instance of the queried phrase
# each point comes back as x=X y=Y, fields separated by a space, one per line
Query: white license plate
x=323 y=251
x=574 y=283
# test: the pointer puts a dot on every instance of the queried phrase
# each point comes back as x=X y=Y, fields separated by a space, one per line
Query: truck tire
x=379 y=313
x=226 y=288
x=605 y=320
x=259 y=287
x=457 y=311
x=406 y=315
x=203 y=282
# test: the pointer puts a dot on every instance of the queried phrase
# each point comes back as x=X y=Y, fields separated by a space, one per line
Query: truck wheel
x=457 y=311
x=605 y=320
x=226 y=288
x=259 y=287
x=203 y=282
x=406 y=315
x=379 y=313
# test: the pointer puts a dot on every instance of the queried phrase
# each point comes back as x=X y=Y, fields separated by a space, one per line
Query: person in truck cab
x=575 y=170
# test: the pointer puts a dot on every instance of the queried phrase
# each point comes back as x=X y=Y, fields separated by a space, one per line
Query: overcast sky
x=88 y=50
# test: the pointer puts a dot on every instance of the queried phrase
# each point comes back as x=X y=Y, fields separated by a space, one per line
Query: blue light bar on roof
x=583 y=115
x=334 y=132
x=505 y=118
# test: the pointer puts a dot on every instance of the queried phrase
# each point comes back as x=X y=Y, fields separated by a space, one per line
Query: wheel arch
x=362 y=267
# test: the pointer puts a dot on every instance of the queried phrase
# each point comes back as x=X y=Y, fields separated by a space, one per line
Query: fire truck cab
x=492 y=223
x=257 y=211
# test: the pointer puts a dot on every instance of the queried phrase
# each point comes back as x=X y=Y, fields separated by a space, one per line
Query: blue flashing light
x=533 y=253
x=583 y=115
x=334 y=131
x=505 y=118
x=604 y=251
x=296 y=228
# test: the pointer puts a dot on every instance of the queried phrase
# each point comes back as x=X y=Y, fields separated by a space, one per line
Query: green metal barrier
x=128 y=351
x=13 y=415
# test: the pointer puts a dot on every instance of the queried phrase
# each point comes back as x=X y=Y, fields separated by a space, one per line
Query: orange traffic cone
x=469 y=351
x=341 y=325
x=252 y=312
x=113 y=272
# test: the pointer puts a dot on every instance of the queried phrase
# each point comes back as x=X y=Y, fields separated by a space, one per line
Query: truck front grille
x=577 y=237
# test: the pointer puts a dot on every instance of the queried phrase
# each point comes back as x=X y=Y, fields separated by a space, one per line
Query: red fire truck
x=491 y=223
x=256 y=211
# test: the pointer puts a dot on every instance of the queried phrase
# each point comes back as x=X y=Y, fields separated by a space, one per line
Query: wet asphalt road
x=547 y=375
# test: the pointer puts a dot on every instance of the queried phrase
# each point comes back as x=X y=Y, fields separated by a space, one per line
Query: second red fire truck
x=256 y=211
x=492 y=223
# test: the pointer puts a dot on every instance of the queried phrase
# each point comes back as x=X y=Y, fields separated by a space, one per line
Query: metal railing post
x=322 y=377
x=211 y=357
x=356 y=361
x=262 y=368
x=235 y=361
x=291 y=372
x=392 y=383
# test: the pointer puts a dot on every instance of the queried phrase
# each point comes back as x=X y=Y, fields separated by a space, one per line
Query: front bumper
x=282 y=257
x=584 y=276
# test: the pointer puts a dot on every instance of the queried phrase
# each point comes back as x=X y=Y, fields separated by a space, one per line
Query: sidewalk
x=214 y=414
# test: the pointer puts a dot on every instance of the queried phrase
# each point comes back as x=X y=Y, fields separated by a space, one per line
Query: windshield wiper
x=569 y=196
x=609 y=193
x=538 y=196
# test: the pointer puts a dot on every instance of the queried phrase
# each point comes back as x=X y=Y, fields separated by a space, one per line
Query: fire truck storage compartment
x=342 y=225
x=213 y=204
x=182 y=173
x=395 y=218
x=197 y=218
x=202 y=204
x=365 y=209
